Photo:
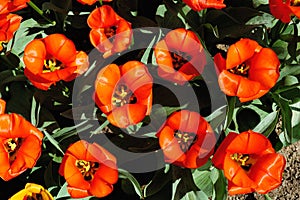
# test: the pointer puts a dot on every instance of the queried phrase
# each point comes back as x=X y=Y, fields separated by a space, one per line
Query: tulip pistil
x=34 y=196
x=241 y=70
x=242 y=159
x=295 y=2
x=110 y=31
x=185 y=140
x=11 y=146
x=87 y=168
x=123 y=95
x=51 y=65
x=179 y=59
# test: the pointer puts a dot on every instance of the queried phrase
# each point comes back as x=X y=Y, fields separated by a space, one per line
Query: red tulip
x=186 y=139
x=20 y=144
x=249 y=163
x=52 y=59
x=8 y=6
x=180 y=56
x=110 y=33
x=89 y=169
x=124 y=93
x=283 y=10
x=249 y=71
x=8 y=25
x=198 y=5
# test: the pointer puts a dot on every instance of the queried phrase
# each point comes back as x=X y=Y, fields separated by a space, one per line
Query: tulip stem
x=101 y=3
x=40 y=12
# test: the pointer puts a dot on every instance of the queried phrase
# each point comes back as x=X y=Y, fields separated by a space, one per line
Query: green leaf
x=230 y=109
x=286 y=113
x=280 y=49
x=220 y=190
x=63 y=192
x=289 y=70
x=23 y=35
x=203 y=181
x=257 y=3
x=53 y=141
x=123 y=174
x=268 y=124
x=265 y=19
x=159 y=180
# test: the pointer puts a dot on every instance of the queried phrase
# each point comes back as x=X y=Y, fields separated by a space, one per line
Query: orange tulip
x=8 y=6
x=180 y=56
x=32 y=191
x=8 y=25
x=20 y=144
x=249 y=71
x=91 y=2
x=89 y=169
x=52 y=59
x=186 y=139
x=198 y=5
x=283 y=10
x=249 y=163
x=110 y=33
x=124 y=93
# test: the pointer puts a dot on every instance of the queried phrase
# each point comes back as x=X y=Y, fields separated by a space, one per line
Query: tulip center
x=33 y=196
x=110 y=31
x=241 y=70
x=243 y=160
x=185 y=140
x=11 y=146
x=87 y=168
x=295 y=2
x=179 y=59
x=123 y=95
x=51 y=65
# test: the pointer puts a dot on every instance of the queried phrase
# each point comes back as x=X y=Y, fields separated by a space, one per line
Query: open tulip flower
x=124 y=93
x=110 y=33
x=186 y=139
x=283 y=10
x=180 y=56
x=7 y=6
x=89 y=169
x=249 y=162
x=32 y=192
x=52 y=59
x=198 y=5
x=20 y=144
x=8 y=25
x=249 y=70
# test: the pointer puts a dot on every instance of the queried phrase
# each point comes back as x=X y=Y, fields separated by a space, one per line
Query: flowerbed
x=146 y=100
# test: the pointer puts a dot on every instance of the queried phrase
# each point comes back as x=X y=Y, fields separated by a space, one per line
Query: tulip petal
x=267 y=172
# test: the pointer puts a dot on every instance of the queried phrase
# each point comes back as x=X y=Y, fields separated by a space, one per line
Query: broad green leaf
x=230 y=108
x=123 y=174
x=220 y=190
x=264 y=19
x=257 y=3
x=286 y=113
x=159 y=180
x=23 y=35
x=203 y=181
x=268 y=124
x=289 y=70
